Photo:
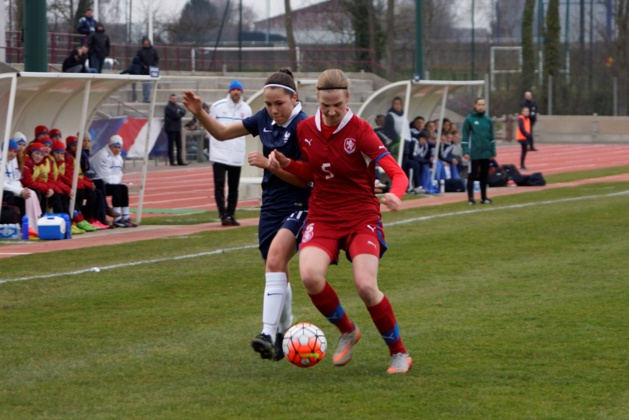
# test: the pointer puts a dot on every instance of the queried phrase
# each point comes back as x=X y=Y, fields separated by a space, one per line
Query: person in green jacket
x=479 y=146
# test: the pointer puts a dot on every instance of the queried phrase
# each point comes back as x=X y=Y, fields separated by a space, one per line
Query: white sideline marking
x=514 y=206
x=131 y=264
x=399 y=222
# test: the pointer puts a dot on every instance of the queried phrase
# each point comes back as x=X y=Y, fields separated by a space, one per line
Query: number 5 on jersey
x=328 y=173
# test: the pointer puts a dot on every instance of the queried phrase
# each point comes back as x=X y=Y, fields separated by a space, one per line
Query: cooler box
x=51 y=227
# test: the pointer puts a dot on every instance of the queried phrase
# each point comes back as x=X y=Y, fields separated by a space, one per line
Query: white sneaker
x=343 y=353
x=400 y=363
x=380 y=184
x=418 y=190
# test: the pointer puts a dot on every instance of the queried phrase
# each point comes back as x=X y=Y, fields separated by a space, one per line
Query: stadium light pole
x=35 y=38
x=582 y=27
x=129 y=20
x=3 y=27
x=540 y=24
x=268 y=21
x=591 y=81
x=240 y=36
x=419 y=41
x=150 y=30
x=567 y=41
x=473 y=41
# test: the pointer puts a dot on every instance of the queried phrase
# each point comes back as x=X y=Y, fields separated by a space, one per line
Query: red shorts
x=363 y=237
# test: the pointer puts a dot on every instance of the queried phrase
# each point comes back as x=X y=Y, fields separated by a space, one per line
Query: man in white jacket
x=108 y=163
x=228 y=156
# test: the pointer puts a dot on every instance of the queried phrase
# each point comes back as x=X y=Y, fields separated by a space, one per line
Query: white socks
x=273 y=303
x=287 y=311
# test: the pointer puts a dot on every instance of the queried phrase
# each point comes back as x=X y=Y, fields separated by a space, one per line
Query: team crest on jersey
x=308 y=233
x=286 y=136
x=349 y=146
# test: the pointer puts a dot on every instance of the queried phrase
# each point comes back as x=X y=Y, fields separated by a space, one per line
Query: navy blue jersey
x=277 y=194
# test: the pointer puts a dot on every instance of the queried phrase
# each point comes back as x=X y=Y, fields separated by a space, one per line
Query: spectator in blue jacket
x=87 y=24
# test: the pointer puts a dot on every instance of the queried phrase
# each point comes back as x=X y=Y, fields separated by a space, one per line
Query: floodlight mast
x=419 y=41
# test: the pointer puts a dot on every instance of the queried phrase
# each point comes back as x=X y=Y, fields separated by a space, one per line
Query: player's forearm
x=290 y=178
x=301 y=170
x=398 y=177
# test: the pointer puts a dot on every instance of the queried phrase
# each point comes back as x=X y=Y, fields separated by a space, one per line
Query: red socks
x=327 y=302
x=384 y=319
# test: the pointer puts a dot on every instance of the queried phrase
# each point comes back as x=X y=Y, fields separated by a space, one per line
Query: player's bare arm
x=221 y=132
x=257 y=159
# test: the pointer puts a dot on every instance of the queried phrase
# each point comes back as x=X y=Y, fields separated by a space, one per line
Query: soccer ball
x=304 y=344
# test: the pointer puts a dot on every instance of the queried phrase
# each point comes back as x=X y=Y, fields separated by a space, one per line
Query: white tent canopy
x=420 y=98
x=67 y=101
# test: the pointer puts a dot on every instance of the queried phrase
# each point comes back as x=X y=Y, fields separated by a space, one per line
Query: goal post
x=499 y=56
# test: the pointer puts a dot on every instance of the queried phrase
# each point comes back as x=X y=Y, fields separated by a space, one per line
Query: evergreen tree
x=552 y=58
x=366 y=27
x=528 y=47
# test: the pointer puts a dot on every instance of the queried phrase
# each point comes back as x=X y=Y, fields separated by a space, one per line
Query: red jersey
x=342 y=167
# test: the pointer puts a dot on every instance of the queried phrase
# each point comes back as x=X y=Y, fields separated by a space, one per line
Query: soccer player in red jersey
x=339 y=154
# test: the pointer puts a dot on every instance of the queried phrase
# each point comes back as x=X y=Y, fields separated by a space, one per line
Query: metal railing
x=191 y=59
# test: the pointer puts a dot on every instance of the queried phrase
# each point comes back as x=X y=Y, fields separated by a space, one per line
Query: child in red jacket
x=63 y=177
x=38 y=176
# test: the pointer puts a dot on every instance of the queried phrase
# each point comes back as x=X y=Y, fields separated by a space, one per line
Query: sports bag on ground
x=454 y=185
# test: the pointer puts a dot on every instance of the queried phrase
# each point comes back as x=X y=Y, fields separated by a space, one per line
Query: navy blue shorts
x=271 y=223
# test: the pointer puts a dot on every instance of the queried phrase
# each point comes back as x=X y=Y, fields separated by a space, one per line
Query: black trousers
x=59 y=203
x=101 y=200
x=86 y=202
x=174 y=140
x=119 y=194
x=14 y=200
x=233 y=179
x=525 y=145
x=479 y=170
x=531 y=147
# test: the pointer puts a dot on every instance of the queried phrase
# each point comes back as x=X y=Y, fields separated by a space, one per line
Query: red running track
x=191 y=187
x=177 y=189
x=553 y=159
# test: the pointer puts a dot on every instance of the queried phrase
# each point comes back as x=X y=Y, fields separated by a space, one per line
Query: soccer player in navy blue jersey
x=284 y=197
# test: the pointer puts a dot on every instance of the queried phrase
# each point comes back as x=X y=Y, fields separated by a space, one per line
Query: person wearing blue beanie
x=235 y=85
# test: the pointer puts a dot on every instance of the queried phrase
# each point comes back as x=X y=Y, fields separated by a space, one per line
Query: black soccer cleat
x=278 y=353
x=264 y=345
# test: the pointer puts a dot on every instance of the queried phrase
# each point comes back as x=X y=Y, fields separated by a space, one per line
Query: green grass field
x=516 y=310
